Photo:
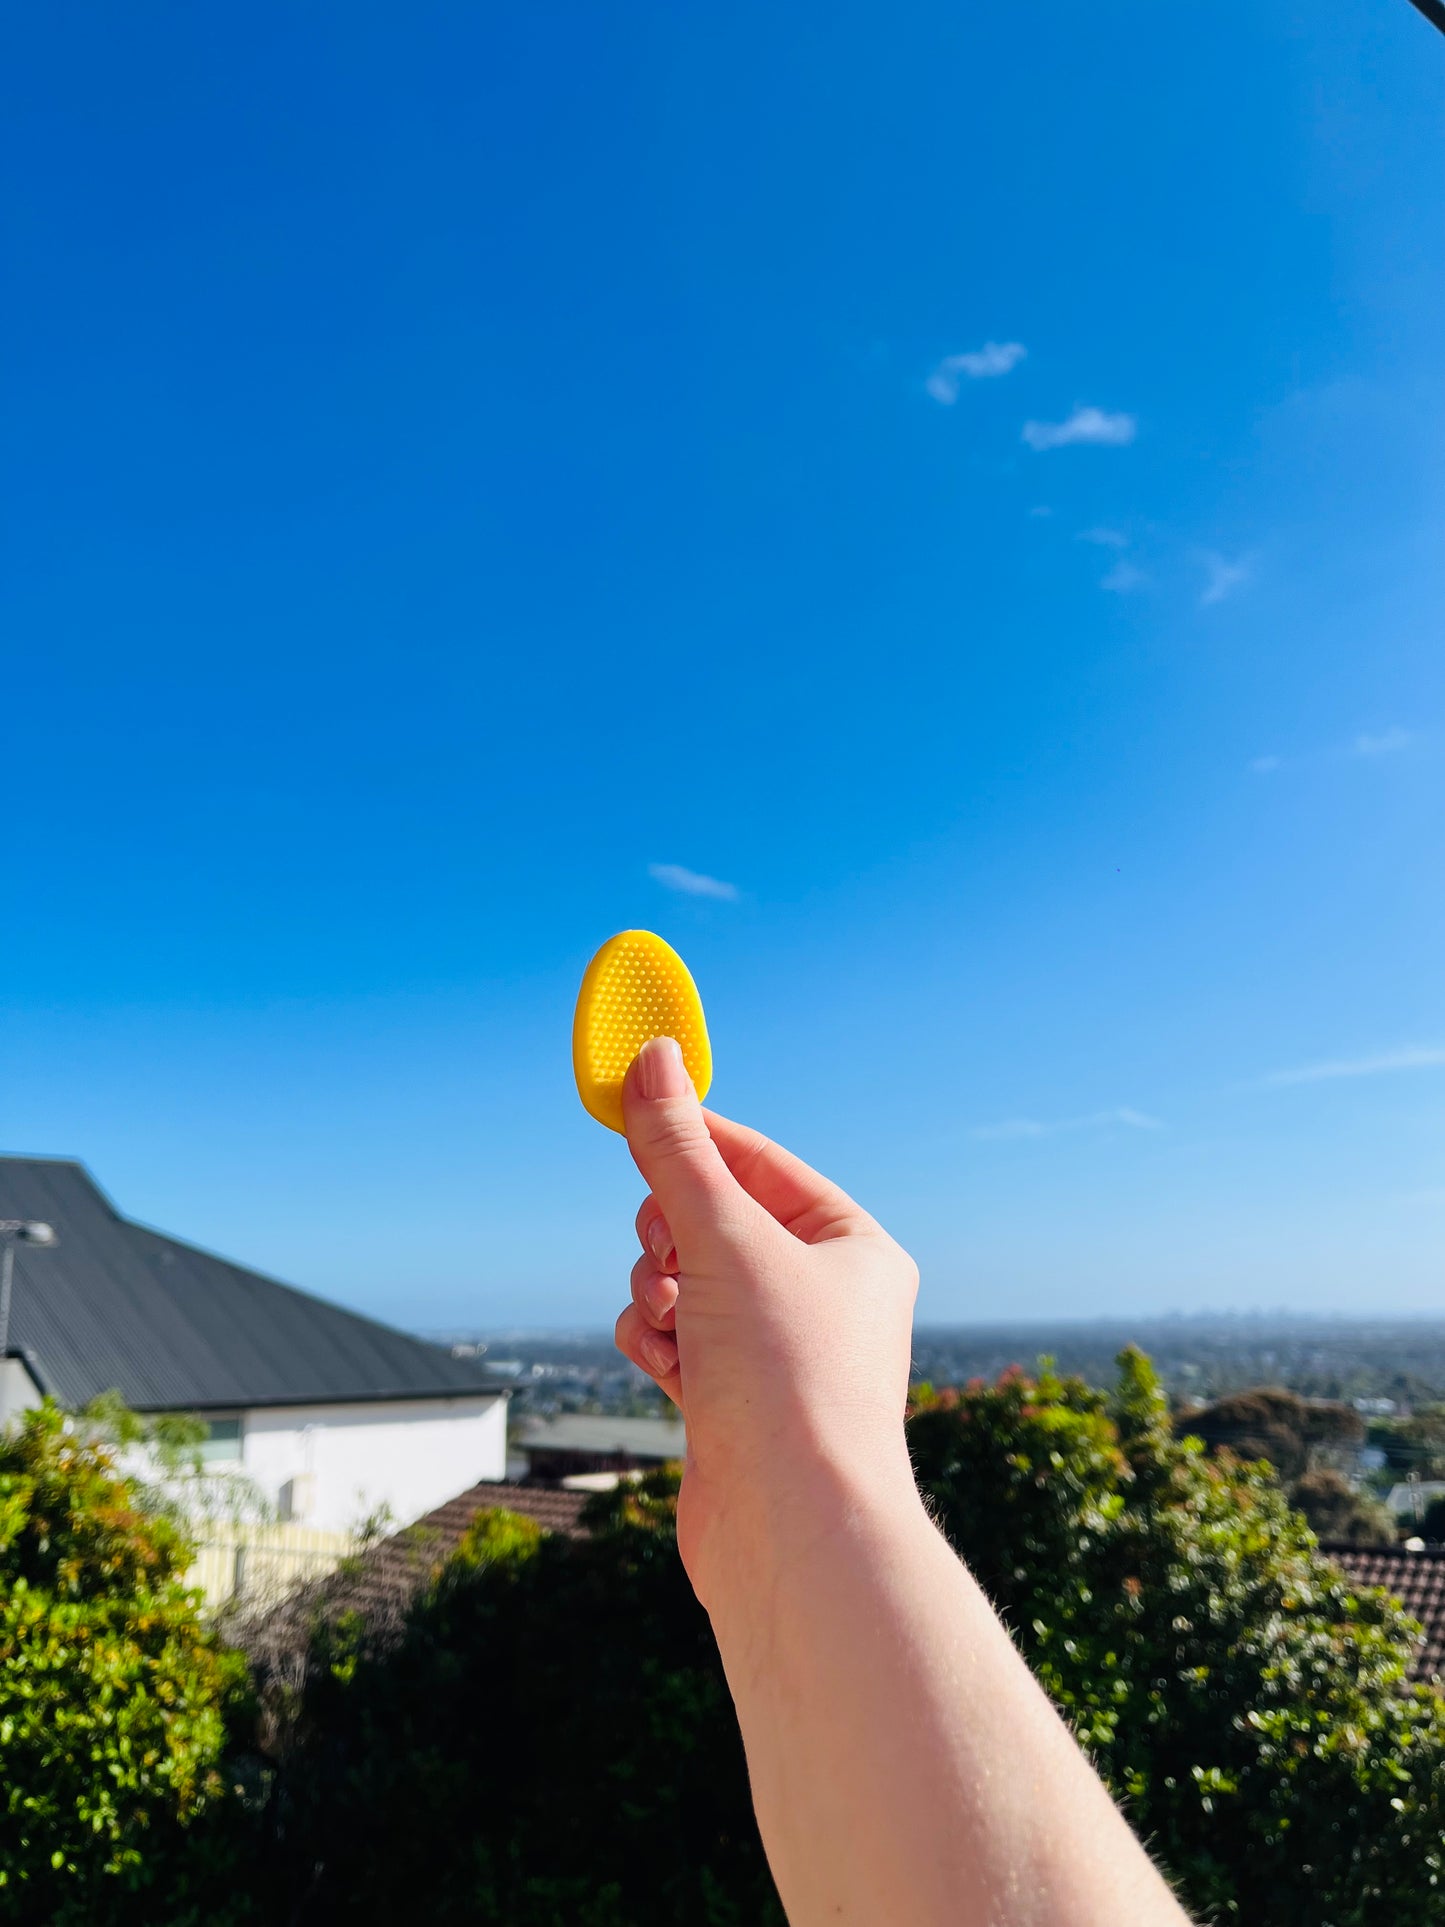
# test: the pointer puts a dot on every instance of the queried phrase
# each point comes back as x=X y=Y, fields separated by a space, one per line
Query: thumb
x=669 y=1140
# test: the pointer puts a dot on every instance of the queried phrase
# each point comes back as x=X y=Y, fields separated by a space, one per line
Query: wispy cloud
x=1386 y=743
x=1104 y=538
x=1123 y=578
x=691 y=883
x=1084 y=425
x=1410 y=1057
x=1222 y=577
x=1032 y=1127
x=978 y=364
x=1041 y=513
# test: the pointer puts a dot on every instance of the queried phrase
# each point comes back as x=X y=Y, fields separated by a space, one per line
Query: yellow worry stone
x=636 y=988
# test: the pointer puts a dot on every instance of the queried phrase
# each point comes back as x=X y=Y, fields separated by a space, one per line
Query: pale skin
x=905 y=1765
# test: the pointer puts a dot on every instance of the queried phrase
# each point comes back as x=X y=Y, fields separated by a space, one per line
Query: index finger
x=802 y=1200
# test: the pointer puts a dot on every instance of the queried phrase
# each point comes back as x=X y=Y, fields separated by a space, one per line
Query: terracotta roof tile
x=1417 y=1580
x=381 y=1583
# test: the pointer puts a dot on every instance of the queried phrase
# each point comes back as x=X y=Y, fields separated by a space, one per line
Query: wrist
x=746 y=1539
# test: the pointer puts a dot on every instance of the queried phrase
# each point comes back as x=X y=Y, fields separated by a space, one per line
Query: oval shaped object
x=635 y=988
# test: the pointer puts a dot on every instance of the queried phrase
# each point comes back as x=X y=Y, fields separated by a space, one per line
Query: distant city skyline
x=954 y=550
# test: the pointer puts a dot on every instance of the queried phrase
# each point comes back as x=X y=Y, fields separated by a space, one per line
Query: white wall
x=410 y=1455
x=18 y=1390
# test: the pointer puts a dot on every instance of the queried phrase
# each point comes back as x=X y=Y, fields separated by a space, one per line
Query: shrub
x=1246 y=1703
x=1271 y=1423
x=548 y=1741
x=113 y=1696
x=1334 y=1509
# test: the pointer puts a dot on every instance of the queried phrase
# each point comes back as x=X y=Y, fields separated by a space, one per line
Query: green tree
x=547 y=1741
x=113 y=1695
x=547 y=1738
x=1335 y=1510
x=1415 y=1444
x=1268 y=1422
x=1245 y=1702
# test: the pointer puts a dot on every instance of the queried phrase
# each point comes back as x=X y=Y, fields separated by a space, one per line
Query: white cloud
x=1104 y=538
x=1410 y=1057
x=1123 y=578
x=1385 y=744
x=978 y=364
x=1032 y=1127
x=1084 y=425
x=1041 y=512
x=1222 y=577
x=672 y=876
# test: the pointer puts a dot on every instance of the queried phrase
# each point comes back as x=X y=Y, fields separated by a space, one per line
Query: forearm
x=905 y=1765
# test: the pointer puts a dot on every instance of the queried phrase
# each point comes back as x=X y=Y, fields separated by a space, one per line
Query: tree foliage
x=113 y=1696
x=1268 y=1422
x=1336 y=1510
x=548 y=1741
x=545 y=1738
x=1246 y=1703
x=1415 y=1444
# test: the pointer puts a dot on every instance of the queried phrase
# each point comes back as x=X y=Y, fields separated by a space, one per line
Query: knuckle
x=678 y=1137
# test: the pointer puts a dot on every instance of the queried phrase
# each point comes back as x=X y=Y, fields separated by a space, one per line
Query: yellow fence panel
x=259 y=1563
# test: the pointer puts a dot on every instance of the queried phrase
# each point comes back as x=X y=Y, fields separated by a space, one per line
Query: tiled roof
x=401 y=1565
x=1417 y=1580
x=279 y=1640
x=380 y=1585
x=113 y=1306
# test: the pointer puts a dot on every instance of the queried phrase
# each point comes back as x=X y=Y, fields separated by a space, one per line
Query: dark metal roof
x=117 y=1307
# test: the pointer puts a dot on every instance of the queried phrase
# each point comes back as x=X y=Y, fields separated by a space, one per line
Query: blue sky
x=967 y=481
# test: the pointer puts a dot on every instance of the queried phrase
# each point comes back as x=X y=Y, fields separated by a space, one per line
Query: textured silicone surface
x=636 y=987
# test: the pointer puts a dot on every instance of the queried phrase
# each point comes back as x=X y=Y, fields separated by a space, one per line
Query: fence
x=259 y=1563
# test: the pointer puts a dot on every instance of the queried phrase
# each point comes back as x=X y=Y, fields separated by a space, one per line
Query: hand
x=903 y=1763
x=773 y=1310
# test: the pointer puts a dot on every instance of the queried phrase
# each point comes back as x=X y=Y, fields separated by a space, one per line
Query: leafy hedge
x=113 y=1696
x=549 y=1740
x=545 y=1738
x=1243 y=1699
x=548 y=1743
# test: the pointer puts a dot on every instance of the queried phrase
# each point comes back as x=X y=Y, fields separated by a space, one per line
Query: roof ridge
x=1415 y=1554
x=53 y=1158
x=174 y=1326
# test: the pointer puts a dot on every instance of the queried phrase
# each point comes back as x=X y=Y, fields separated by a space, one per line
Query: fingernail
x=661 y=1071
x=660 y=1295
x=659 y=1243
x=659 y=1353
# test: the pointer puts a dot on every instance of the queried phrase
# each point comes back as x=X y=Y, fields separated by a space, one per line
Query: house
x=580 y=1444
x=1411 y=1498
x=333 y=1416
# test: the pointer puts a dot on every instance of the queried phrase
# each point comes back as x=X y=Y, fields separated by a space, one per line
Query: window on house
x=222 y=1441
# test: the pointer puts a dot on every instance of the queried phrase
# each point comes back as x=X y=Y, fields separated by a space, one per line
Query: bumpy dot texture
x=636 y=987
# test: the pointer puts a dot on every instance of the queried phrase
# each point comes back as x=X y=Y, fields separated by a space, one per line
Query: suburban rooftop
x=115 y=1306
